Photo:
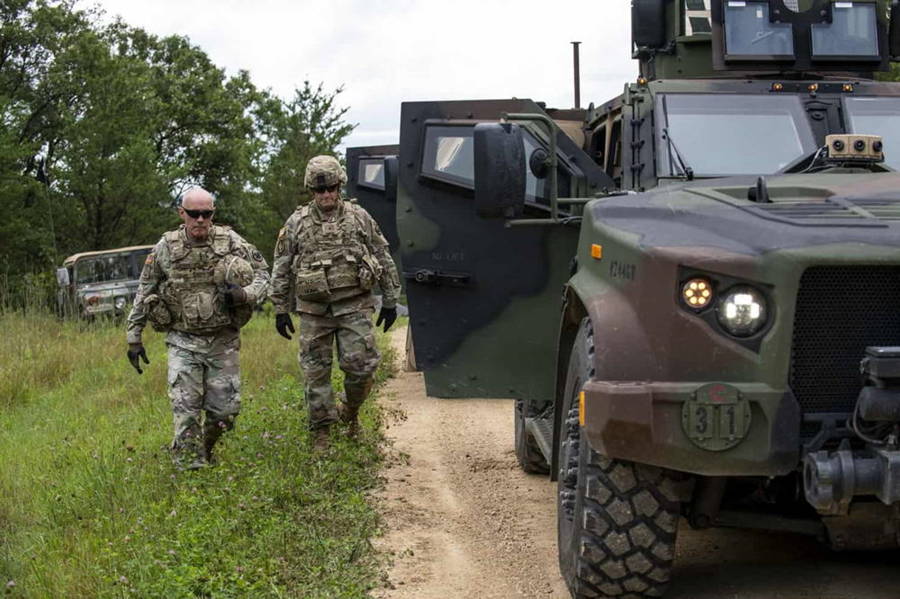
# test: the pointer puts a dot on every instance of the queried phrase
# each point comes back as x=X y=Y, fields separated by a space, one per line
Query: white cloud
x=385 y=52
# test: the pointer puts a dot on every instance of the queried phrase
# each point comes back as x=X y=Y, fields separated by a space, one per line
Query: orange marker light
x=596 y=251
x=581 y=409
x=848 y=87
x=813 y=87
x=697 y=293
x=777 y=87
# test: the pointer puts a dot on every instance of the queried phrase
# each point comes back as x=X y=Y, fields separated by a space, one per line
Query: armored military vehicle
x=101 y=283
x=691 y=290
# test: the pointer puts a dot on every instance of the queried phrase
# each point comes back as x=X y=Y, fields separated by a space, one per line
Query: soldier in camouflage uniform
x=329 y=255
x=199 y=284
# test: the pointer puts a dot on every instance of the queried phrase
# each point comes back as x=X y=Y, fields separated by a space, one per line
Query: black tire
x=529 y=455
x=617 y=521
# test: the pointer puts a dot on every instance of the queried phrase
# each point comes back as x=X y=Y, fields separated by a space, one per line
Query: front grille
x=841 y=310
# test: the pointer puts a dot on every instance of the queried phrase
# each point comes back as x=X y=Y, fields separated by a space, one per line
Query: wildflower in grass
x=11 y=584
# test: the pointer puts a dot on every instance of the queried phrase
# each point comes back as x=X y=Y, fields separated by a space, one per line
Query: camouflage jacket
x=349 y=234
x=162 y=263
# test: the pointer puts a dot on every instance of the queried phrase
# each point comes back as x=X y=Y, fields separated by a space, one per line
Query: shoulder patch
x=280 y=243
x=150 y=258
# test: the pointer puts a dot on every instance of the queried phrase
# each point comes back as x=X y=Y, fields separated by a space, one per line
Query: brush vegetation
x=91 y=506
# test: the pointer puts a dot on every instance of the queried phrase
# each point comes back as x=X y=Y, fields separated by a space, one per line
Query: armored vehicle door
x=484 y=297
x=372 y=180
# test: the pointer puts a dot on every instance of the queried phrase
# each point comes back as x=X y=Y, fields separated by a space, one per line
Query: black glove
x=235 y=296
x=387 y=316
x=135 y=353
x=283 y=324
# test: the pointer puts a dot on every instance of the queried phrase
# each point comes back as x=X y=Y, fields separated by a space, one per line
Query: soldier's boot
x=321 y=438
x=188 y=454
x=349 y=410
x=350 y=417
x=211 y=433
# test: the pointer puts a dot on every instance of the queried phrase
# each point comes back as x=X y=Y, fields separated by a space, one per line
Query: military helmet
x=324 y=171
x=233 y=270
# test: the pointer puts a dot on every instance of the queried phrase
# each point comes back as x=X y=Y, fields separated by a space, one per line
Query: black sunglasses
x=207 y=214
x=328 y=188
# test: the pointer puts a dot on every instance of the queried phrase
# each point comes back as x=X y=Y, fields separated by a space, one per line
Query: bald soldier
x=199 y=284
x=329 y=255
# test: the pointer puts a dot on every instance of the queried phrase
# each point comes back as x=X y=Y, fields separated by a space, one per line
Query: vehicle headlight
x=742 y=311
x=120 y=303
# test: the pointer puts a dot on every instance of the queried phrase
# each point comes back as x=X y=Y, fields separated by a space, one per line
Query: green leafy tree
x=102 y=126
x=311 y=123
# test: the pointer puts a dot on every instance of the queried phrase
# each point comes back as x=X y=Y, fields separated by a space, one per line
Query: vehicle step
x=542 y=431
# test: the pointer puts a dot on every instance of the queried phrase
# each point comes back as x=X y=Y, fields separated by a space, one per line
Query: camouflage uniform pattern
x=344 y=317
x=322 y=171
x=204 y=375
x=357 y=357
x=203 y=362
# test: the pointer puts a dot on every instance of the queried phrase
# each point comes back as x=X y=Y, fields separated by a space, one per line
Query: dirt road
x=463 y=522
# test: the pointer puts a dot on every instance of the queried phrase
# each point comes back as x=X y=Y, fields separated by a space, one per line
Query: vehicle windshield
x=100 y=269
x=730 y=134
x=877 y=116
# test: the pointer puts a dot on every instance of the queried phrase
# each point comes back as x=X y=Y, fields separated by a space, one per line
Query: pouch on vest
x=158 y=313
x=343 y=274
x=198 y=310
x=369 y=272
x=311 y=284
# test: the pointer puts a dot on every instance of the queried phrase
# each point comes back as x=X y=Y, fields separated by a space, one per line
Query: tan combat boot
x=350 y=416
x=349 y=410
x=321 y=438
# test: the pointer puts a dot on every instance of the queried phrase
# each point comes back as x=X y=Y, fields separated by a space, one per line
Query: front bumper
x=646 y=422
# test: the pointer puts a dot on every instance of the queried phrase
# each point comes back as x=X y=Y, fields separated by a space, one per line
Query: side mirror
x=894 y=32
x=62 y=277
x=648 y=23
x=391 y=176
x=499 y=170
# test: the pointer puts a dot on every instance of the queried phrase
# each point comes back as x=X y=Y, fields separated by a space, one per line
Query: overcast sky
x=385 y=52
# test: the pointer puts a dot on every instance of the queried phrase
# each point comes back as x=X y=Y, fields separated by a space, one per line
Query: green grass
x=90 y=505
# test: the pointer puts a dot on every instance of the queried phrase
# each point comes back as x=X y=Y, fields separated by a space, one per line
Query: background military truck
x=691 y=289
x=100 y=283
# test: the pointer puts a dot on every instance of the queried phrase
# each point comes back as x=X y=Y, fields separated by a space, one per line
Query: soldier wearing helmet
x=199 y=284
x=328 y=257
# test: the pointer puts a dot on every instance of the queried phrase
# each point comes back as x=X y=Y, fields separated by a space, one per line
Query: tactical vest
x=190 y=293
x=334 y=262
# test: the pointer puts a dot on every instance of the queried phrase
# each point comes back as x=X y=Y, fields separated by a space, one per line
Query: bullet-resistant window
x=749 y=32
x=852 y=32
x=448 y=155
x=730 y=134
x=371 y=173
x=876 y=116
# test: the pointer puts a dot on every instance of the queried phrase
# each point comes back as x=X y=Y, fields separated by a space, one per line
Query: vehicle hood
x=805 y=210
x=107 y=288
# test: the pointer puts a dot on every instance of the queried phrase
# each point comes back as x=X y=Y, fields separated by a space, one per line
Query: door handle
x=437 y=278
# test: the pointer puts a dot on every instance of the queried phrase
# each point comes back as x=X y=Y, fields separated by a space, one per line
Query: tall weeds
x=90 y=505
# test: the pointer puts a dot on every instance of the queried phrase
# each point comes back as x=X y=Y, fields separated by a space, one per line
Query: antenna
x=577 y=74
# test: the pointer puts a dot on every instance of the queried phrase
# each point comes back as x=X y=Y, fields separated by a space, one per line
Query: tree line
x=103 y=125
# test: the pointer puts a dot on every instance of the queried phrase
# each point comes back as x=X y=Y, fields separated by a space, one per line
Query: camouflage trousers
x=204 y=376
x=357 y=357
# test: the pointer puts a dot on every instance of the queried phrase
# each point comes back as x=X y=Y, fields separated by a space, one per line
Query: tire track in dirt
x=462 y=520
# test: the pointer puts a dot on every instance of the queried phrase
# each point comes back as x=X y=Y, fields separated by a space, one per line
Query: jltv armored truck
x=101 y=283
x=691 y=290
